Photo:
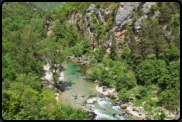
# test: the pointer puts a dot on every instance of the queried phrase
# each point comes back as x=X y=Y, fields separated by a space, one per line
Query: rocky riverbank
x=47 y=79
x=80 y=60
x=128 y=107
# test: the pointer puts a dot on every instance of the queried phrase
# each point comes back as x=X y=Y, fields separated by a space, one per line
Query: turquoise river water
x=75 y=84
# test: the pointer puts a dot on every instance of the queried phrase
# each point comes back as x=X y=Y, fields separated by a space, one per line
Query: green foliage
x=125 y=52
x=165 y=15
x=86 y=45
x=142 y=92
x=171 y=79
x=77 y=50
x=172 y=53
x=73 y=113
x=150 y=71
x=100 y=53
x=47 y=99
x=123 y=81
x=113 y=54
x=161 y=117
x=124 y=95
x=104 y=77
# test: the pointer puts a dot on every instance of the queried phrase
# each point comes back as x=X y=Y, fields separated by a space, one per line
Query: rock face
x=107 y=12
x=91 y=8
x=98 y=14
x=92 y=28
x=146 y=7
x=137 y=24
x=156 y=14
x=124 y=10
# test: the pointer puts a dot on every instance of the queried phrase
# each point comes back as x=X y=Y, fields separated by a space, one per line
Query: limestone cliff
x=123 y=14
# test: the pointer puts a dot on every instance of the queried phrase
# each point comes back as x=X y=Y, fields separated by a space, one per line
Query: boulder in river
x=95 y=81
x=123 y=106
x=114 y=114
x=91 y=100
x=91 y=115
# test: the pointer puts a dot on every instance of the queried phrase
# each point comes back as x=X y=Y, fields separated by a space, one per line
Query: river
x=75 y=84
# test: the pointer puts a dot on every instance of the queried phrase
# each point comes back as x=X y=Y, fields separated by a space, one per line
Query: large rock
x=107 y=11
x=91 y=8
x=135 y=4
x=92 y=28
x=124 y=106
x=137 y=24
x=91 y=115
x=123 y=11
x=156 y=14
x=98 y=14
x=146 y=7
x=86 y=32
x=87 y=15
x=167 y=34
x=91 y=100
x=101 y=10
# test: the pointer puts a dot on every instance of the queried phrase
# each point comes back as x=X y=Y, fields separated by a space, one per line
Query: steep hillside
x=23 y=95
x=99 y=20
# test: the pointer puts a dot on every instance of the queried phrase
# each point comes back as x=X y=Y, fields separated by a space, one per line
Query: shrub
x=142 y=92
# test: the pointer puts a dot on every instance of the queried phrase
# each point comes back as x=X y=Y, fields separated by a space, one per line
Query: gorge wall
x=124 y=13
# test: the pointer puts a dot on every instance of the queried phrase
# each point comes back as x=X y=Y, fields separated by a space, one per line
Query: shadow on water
x=66 y=85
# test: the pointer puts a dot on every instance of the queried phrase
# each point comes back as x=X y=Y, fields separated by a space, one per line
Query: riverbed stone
x=123 y=106
x=91 y=100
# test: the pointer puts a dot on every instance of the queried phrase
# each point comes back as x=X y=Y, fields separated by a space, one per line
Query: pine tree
x=113 y=54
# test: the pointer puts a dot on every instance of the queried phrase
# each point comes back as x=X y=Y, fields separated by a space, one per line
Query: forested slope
x=23 y=96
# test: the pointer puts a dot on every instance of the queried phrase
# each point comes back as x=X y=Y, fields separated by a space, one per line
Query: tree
x=124 y=95
x=72 y=35
x=145 y=73
x=113 y=54
x=123 y=81
x=142 y=92
x=54 y=56
x=56 y=113
x=173 y=53
x=86 y=45
x=105 y=77
x=165 y=15
x=171 y=79
x=94 y=74
x=46 y=100
x=125 y=52
x=100 y=53
x=77 y=50
x=170 y=97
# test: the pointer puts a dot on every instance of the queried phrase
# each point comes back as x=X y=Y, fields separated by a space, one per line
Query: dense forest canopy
x=149 y=59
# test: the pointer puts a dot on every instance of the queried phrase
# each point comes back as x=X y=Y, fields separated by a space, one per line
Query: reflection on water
x=76 y=90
